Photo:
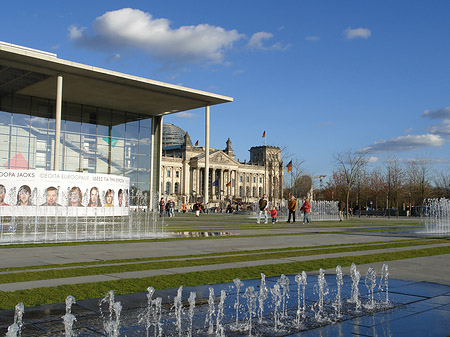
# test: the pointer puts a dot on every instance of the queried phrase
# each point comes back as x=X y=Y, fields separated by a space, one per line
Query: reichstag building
x=183 y=170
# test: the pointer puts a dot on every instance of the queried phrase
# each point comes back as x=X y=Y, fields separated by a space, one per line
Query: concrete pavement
x=411 y=289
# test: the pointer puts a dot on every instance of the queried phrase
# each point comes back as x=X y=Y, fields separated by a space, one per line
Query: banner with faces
x=61 y=193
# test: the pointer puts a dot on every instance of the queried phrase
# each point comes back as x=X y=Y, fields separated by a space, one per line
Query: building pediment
x=216 y=157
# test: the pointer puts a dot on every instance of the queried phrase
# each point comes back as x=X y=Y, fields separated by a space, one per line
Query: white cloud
x=113 y=58
x=132 y=28
x=408 y=130
x=357 y=33
x=442 y=129
x=312 y=38
x=372 y=159
x=75 y=32
x=405 y=143
x=257 y=39
x=437 y=114
x=185 y=114
x=38 y=121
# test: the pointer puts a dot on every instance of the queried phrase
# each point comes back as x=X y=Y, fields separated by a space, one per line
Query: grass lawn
x=312 y=257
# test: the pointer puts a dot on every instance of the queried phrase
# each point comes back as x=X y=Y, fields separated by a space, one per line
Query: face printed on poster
x=33 y=192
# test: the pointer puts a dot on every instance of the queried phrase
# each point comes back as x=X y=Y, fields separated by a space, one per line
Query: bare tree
x=442 y=184
x=286 y=156
x=292 y=178
x=376 y=184
x=350 y=165
x=338 y=184
x=417 y=174
x=394 y=182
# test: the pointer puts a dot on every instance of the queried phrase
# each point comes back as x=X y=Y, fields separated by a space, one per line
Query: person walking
x=168 y=208
x=161 y=207
x=292 y=206
x=341 y=207
x=273 y=213
x=306 y=208
x=183 y=207
x=262 y=208
x=172 y=208
x=197 y=207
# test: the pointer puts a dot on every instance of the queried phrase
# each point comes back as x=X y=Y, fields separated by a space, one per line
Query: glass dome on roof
x=173 y=136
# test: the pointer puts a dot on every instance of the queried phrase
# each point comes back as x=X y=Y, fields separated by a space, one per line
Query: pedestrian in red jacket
x=273 y=213
x=306 y=208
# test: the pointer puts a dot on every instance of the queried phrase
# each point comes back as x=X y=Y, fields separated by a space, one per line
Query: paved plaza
x=420 y=287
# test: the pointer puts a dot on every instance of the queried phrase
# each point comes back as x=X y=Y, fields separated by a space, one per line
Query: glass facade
x=173 y=136
x=93 y=139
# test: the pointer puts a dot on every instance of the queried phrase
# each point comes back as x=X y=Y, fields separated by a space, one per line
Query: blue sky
x=320 y=77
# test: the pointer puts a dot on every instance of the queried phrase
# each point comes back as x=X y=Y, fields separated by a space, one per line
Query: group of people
x=292 y=207
x=168 y=209
x=305 y=208
x=75 y=197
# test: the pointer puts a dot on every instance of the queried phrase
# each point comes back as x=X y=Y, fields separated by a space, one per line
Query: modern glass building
x=60 y=115
x=93 y=139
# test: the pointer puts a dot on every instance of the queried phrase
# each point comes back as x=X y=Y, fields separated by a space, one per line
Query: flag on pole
x=196 y=143
x=229 y=184
x=216 y=182
x=289 y=166
x=264 y=134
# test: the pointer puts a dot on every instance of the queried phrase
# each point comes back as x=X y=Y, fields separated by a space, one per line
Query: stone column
x=185 y=177
x=233 y=186
x=206 y=177
x=197 y=181
x=156 y=157
x=221 y=182
x=59 y=88
x=213 y=178
x=172 y=189
x=226 y=179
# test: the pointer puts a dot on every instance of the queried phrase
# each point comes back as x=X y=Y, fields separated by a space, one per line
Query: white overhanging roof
x=31 y=72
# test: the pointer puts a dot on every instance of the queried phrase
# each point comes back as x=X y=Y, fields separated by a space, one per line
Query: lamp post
x=320 y=177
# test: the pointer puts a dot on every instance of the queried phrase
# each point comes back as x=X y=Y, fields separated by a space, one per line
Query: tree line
x=394 y=184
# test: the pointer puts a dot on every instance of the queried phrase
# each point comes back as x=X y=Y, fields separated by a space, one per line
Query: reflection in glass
x=92 y=139
x=103 y=130
x=5 y=118
x=132 y=131
x=21 y=120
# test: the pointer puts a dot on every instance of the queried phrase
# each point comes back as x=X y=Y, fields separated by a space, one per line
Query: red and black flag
x=289 y=166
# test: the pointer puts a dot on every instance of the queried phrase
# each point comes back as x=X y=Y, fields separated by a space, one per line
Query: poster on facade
x=62 y=193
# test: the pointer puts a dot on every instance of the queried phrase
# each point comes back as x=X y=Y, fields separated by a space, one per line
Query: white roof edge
x=25 y=51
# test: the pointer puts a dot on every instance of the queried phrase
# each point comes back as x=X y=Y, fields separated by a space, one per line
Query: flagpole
x=289 y=167
x=292 y=184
